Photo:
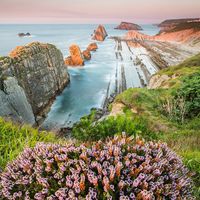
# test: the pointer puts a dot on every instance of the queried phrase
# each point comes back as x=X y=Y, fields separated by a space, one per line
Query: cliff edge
x=37 y=72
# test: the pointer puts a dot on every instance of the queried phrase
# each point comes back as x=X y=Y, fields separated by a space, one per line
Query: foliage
x=13 y=139
x=107 y=170
x=190 y=92
x=89 y=130
x=184 y=102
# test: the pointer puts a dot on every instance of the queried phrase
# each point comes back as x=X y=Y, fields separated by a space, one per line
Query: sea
x=88 y=85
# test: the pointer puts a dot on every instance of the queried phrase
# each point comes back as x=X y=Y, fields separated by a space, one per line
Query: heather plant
x=120 y=168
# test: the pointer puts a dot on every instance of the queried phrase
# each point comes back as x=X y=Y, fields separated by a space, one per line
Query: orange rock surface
x=92 y=47
x=86 y=54
x=100 y=33
x=76 y=57
x=184 y=36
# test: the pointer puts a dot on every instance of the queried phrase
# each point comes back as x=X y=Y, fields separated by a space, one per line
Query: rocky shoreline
x=37 y=68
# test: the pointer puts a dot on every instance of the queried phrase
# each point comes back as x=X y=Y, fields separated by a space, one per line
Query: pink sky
x=93 y=11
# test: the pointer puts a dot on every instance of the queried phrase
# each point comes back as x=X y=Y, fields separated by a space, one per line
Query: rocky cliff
x=31 y=77
x=188 y=34
x=128 y=26
x=170 y=24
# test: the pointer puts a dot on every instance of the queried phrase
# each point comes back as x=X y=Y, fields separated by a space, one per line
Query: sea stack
x=76 y=58
x=92 y=47
x=128 y=26
x=30 y=78
x=100 y=33
x=86 y=54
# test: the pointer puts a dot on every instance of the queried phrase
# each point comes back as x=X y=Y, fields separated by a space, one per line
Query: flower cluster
x=121 y=168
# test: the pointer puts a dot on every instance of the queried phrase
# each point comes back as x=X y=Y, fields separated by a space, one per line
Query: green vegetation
x=89 y=130
x=171 y=115
x=13 y=139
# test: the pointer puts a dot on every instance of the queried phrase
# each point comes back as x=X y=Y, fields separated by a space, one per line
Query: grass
x=14 y=138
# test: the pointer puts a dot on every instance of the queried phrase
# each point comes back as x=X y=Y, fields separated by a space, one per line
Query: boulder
x=100 y=33
x=86 y=54
x=158 y=81
x=92 y=47
x=128 y=26
x=40 y=75
x=76 y=57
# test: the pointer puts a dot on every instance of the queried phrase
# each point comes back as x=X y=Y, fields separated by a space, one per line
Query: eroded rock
x=40 y=75
x=86 y=55
x=92 y=47
x=76 y=57
x=157 y=81
x=14 y=103
x=100 y=33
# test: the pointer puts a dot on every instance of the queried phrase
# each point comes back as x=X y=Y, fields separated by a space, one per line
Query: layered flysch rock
x=31 y=77
x=100 y=33
x=128 y=26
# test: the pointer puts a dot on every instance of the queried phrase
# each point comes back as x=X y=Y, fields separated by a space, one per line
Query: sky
x=96 y=11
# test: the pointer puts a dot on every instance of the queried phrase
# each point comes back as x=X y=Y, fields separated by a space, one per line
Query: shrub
x=190 y=92
x=121 y=168
x=89 y=130
x=184 y=103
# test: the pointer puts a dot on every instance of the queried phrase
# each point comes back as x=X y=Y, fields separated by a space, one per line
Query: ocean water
x=89 y=83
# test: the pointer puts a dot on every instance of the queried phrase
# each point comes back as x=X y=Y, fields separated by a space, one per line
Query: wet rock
x=100 y=33
x=86 y=55
x=92 y=47
x=76 y=57
x=128 y=26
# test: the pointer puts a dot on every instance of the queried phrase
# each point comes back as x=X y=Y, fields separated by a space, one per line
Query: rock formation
x=183 y=33
x=24 y=34
x=76 y=57
x=100 y=33
x=158 y=81
x=86 y=54
x=14 y=103
x=30 y=78
x=170 y=24
x=92 y=47
x=128 y=26
x=137 y=35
